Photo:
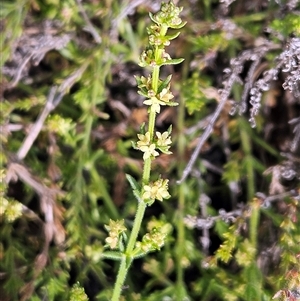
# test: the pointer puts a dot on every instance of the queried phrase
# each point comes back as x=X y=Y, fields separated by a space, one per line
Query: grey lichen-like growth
x=288 y=62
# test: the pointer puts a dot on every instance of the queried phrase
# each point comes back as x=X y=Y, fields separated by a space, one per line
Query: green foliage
x=193 y=90
x=225 y=250
x=212 y=42
x=14 y=14
x=289 y=24
x=77 y=293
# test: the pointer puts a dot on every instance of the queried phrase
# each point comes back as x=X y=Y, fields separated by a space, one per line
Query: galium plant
x=151 y=143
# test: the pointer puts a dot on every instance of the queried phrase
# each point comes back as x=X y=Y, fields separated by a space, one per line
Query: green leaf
x=172 y=37
x=220 y=227
x=133 y=183
x=152 y=18
x=192 y=90
x=245 y=253
x=134 y=145
x=179 y=26
x=142 y=129
x=143 y=91
x=164 y=151
x=232 y=169
x=226 y=249
x=172 y=62
x=164 y=84
x=113 y=255
x=254 y=283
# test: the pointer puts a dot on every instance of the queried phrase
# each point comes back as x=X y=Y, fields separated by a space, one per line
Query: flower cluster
x=155 y=38
x=168 y=16
x=161 y=99
x=148 y=58
x=151 y=241
x=115 y=229
x=157 y=190
x=144 y=144
x=155 y=100
x=162 y=142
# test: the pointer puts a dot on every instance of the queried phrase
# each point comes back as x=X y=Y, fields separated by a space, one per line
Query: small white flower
x=156 y=191
x=146 y=147
x=144 y=140
x=165 y=95
x=154 y=104
x=163 y=139
x=149 y=151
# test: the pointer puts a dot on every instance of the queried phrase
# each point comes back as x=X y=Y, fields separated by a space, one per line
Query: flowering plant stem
x=157 y=93
x=126 y=259
x=147 y=162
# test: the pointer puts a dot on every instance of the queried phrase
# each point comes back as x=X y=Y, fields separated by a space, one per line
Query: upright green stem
x=254 y=219
x=120 y=280
x=127 y=260
x=147 y=162
x=167 y=17
x=155 y=76
x=151 y=126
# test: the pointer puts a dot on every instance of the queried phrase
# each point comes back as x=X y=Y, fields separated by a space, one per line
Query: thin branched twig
x=35 y=49
x=207 y=222
x=54 y=98
x=89 y=26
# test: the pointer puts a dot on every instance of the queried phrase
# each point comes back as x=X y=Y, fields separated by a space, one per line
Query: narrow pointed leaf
x=133 y=183
x=173 y=62
x=164 y=84
x=112 y=255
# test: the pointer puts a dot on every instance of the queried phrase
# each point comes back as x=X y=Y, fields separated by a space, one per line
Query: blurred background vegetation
x=70 y=109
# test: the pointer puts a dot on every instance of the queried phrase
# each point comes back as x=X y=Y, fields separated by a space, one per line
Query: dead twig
x=89 y=26
x=54 y=97
x=35 y=49
x=233 y=76
x=208 y=130
x=17 y=171
x=52 y=225
x=207 y=222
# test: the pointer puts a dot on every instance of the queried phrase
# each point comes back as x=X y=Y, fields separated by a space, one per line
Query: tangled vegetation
x=84 y=170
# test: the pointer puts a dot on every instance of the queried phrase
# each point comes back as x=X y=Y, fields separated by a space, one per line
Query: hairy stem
x=126 y=261
x=156 y=49
x=120 y=280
